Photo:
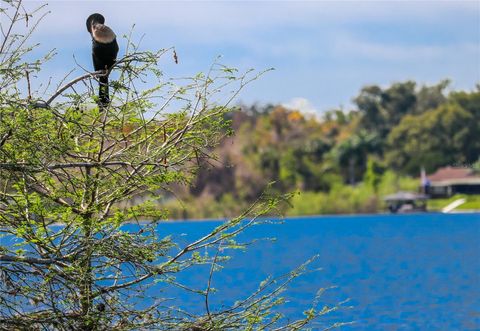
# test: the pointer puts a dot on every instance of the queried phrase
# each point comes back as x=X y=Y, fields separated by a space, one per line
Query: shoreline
x=277 y=218
x=281 y=218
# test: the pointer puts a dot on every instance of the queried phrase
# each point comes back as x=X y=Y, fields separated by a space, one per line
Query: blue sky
x=323 y=52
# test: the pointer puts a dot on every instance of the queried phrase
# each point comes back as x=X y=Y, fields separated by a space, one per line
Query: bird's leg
x=104 y=98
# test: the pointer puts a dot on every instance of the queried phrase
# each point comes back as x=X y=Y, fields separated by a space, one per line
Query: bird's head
x=94 y=19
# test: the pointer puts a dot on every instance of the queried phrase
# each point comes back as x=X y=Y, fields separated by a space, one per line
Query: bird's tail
x=103 y=95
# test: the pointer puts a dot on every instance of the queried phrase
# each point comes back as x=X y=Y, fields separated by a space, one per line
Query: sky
x=323 y=52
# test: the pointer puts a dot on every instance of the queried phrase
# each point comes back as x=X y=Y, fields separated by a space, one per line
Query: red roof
x=449 y=173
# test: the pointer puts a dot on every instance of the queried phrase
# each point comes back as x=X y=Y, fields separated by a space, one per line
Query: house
x=448 y=181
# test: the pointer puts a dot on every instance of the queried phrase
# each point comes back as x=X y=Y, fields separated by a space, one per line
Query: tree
x=430 y=97
x=352 y=154
x=373 y=173
x=383 y=109
x=67 y=259
x=470 y=101
x=435 y=138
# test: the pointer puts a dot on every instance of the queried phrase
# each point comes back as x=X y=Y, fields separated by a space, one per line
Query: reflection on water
x=401 y=272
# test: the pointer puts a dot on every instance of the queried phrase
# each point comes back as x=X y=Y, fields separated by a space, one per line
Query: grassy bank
x=472 y=203
x=340 y=199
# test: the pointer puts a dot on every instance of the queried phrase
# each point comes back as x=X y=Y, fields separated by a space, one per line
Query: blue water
x=400 y=272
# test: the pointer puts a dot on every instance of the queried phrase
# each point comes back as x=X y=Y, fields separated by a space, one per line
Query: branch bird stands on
x=104 y=53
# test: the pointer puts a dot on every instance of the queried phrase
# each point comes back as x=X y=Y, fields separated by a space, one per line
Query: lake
x=400 y=272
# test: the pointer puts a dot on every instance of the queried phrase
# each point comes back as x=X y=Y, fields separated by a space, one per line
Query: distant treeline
x=391 y=132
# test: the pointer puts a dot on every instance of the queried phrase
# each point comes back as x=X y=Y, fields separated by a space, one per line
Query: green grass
x=473 y=202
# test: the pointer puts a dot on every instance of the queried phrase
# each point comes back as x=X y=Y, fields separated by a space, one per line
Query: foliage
x=398 y=129
x=352 y=153
x=438 y=137
x=373 y=174
x=340 y=199
x=69 y=173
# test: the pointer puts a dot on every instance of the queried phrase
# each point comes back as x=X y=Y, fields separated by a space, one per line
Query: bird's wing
x=103 y=34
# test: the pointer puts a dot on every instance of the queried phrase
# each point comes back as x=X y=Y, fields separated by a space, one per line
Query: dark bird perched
x=104 y=52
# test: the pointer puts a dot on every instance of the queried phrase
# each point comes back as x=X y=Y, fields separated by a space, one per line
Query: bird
x=104 y=52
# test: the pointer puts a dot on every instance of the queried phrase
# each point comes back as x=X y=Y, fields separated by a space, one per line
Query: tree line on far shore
x=344 y=161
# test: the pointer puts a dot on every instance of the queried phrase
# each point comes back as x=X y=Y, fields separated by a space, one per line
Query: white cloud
x=303 y=105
